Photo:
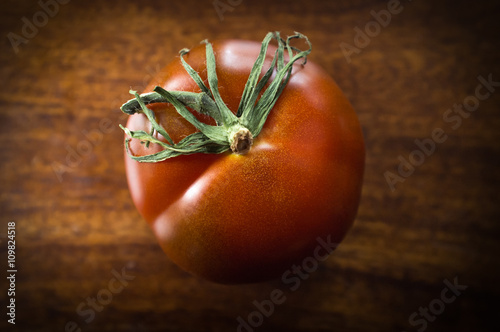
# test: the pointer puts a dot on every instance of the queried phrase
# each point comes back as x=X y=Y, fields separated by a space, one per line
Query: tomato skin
x=245 y=218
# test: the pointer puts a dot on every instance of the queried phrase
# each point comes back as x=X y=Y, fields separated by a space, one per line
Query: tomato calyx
x=232 y=131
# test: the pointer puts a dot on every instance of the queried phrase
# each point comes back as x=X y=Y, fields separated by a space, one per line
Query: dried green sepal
x=232 y=131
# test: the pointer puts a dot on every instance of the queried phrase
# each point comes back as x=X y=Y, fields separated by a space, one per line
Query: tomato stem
x=232 y=131
x=241 y=141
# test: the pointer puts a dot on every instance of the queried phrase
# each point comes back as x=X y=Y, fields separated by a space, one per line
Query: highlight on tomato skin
x=239 y=218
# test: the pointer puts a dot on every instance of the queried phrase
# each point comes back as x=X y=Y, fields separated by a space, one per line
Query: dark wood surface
x=63 y=183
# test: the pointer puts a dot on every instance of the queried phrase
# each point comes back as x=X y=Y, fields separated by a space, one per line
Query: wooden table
x=78 y=235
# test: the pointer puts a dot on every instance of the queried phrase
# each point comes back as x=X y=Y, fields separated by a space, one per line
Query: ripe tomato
x=234 y=218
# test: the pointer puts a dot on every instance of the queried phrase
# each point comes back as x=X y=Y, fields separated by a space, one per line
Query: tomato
x=239 y=218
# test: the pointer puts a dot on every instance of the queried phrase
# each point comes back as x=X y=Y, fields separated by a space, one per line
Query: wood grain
x=63 y=182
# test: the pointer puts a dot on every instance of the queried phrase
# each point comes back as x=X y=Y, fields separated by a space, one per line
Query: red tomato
x=234 y=218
